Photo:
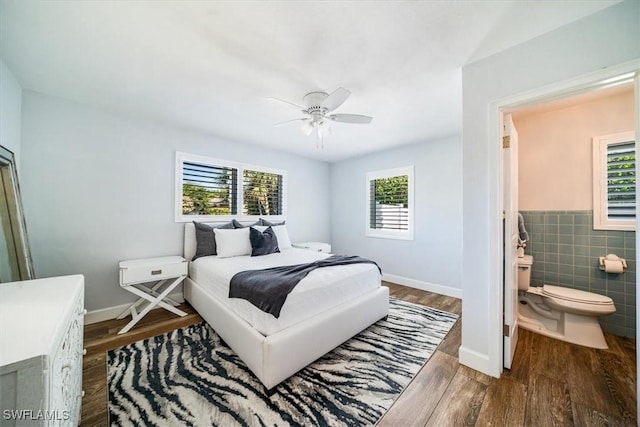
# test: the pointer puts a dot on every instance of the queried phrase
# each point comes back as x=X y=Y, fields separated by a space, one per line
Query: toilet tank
x=524 y=272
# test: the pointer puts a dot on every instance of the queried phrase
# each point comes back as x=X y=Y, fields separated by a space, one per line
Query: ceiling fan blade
x=351 y=118
x=288 y=121
x=291 y=104
x=336 y=99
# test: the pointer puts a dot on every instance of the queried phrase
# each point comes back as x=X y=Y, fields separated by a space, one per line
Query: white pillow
x=230 y=243
x=281 y=234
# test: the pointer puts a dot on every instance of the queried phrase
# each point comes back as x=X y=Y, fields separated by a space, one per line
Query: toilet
x=563 y=313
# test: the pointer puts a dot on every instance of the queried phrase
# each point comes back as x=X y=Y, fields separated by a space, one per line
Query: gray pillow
x=237 y=224
x=264 y=222
x=264 y=243
x=206 y=239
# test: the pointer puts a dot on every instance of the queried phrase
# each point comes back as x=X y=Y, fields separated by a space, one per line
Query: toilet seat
x=577 y=302
x=575 y=295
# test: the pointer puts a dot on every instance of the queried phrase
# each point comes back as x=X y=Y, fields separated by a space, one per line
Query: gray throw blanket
x=267 y=289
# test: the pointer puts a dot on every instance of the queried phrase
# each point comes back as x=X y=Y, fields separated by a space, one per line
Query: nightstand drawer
x=141 y=271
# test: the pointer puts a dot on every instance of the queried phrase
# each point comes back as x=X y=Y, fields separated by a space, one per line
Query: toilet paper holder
x=611 y=257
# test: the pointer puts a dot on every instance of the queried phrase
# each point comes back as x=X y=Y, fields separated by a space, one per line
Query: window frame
x=181 y=157
x=384 y=233
x=601 y=220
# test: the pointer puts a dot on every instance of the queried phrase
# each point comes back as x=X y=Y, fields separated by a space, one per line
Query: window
x=390 y=203
x=208 y=189
x=614 y=182
x=262 y=193
x=219 y=190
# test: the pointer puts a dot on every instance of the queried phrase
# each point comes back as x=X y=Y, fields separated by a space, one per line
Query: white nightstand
x=314 y=246
x=163 y=270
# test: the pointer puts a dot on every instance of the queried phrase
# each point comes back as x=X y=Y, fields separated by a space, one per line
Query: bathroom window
x=390 y=203
x=614 y=182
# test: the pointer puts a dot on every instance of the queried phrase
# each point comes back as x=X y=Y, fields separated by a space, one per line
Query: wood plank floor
x=551 y=383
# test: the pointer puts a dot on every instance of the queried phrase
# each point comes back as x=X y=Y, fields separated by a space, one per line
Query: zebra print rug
x=188 y=377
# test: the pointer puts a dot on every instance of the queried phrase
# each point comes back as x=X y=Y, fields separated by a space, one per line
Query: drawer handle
x=156 y=272
x=84 y=352
x=82 y=312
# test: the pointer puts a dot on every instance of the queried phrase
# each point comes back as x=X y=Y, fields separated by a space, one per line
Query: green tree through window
x=208 y=190
x=262 y=193
x=392 y=191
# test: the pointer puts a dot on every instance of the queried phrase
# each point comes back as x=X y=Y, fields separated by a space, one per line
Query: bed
x=327 y=308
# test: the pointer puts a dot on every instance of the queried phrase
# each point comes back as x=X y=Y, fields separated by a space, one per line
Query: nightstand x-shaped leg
x=151 y=291
x=154 y=299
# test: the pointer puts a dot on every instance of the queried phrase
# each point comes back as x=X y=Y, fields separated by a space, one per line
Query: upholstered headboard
x=189 y=241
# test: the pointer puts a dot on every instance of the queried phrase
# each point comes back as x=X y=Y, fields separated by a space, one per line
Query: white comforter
x=321 y=290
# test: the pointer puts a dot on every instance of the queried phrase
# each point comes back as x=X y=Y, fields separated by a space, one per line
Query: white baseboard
x=424 y=286
x=109 y=313
x=475 y=360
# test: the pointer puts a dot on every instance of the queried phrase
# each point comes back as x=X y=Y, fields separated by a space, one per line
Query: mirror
x=15 y=257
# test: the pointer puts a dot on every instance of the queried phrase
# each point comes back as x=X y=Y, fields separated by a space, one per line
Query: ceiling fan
x=317 y=106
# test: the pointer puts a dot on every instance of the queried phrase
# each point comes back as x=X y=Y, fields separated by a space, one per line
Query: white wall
x=555 y=150
x=10 y=111
x=99 y=188
x=433 y=257
x=603 y=39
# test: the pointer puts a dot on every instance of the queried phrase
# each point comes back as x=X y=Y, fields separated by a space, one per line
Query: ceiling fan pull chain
x=319 y=139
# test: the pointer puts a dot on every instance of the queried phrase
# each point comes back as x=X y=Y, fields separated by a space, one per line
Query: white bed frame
x=276 y=357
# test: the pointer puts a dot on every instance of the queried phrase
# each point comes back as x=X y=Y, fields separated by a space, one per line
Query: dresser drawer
x=140 y=272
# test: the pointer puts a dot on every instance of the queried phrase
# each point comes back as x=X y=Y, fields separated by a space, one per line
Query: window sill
x=389 y=235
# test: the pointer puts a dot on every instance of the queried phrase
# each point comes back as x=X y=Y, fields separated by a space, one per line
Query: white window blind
x=263 y=193
x=390 y=207
x=390 y=203
x=621 y=181
x=614 y=184
x=208 y=189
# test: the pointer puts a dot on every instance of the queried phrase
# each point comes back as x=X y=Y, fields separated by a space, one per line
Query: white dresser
x=41 y=328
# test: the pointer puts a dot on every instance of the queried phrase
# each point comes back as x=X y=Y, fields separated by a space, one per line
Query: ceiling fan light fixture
x=324 y=128
x=307 y=127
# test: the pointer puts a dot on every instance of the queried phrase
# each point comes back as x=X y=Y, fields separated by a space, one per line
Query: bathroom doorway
x=563 y=97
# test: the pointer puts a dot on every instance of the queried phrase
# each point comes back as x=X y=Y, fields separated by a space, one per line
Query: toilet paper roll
x=613 y=266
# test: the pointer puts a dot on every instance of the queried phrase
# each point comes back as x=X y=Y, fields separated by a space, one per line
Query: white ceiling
x=211 y=66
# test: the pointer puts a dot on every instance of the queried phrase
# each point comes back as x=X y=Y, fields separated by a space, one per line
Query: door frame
x=509 y=164
x=554 y=91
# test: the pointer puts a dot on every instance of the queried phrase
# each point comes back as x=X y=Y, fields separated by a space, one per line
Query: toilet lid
x=575 y=295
